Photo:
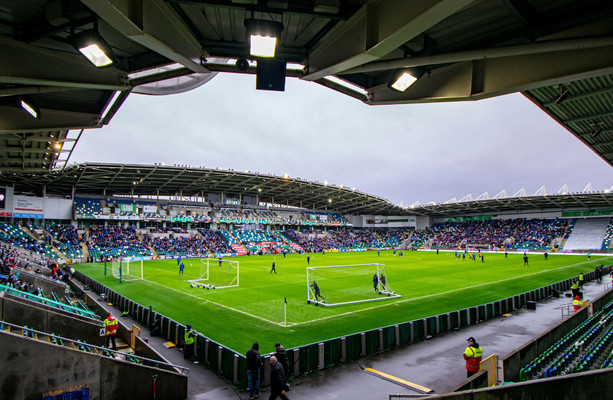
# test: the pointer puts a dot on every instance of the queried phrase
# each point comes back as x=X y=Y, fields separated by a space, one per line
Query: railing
x=89 y=348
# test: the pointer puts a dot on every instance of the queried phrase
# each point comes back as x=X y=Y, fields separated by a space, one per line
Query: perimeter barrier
x=231 y=365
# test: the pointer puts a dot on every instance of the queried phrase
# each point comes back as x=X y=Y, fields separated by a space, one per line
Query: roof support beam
x=15 y=120
x=374 y=31
x=476 y=80
x=154 y=25
x=32 y=65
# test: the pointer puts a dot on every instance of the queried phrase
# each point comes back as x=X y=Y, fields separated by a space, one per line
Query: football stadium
x=151 y=281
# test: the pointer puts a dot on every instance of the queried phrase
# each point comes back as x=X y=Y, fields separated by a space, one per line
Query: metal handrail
x=122 y=356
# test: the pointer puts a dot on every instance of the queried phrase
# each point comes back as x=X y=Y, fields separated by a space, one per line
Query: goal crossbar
x=217 y=274
x=383 y=288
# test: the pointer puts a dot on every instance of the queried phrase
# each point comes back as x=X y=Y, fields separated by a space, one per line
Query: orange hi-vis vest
x=473 y=356
x=111 y=324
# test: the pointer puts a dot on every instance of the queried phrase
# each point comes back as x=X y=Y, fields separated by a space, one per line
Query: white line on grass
x=212 y=302
x=434 y=295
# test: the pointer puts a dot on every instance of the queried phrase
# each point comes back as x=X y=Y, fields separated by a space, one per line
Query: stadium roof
x=183 y=182
x=584 y=201
x=558 y=53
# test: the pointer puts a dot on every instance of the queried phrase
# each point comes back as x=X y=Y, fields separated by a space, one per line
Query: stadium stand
x=13 y=234
x=588 y=234
x=66 y=239
x=114 y=241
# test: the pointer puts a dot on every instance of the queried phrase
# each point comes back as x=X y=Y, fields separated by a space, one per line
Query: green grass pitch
x=429 y=284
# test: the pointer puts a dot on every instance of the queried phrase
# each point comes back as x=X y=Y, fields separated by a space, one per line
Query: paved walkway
x=436 y=363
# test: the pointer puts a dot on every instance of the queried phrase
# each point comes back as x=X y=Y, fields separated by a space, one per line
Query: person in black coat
x=254 y=362
x=278 y=384
x=281 y=355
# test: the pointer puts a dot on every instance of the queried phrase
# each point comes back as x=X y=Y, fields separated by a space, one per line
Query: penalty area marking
x=217 y=304
x=435 y=294
x=399 y=381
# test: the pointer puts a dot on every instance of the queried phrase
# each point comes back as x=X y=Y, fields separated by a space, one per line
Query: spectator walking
x=473 y=356
x=278 y=383
x=254 y=363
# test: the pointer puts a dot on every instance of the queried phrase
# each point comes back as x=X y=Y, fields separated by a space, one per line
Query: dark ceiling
x=557 y=53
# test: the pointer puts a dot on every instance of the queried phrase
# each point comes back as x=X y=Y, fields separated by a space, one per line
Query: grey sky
x=408 y=153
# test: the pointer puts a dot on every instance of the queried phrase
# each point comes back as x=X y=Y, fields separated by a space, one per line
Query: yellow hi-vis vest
x=189 y=338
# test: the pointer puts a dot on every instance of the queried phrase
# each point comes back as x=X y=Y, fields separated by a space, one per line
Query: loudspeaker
x=270 y=75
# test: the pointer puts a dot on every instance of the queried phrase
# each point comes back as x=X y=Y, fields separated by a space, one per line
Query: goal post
x=216 y=273
x=348 y=284
x=128 y=269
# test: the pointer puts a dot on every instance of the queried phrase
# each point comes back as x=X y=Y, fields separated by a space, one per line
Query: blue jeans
x=253 y=380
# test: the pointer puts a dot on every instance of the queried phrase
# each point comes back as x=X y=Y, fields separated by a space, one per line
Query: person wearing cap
x=254 y=363
x=577 y=303
x=473 y=356
x=281 y=355
x=189 y=342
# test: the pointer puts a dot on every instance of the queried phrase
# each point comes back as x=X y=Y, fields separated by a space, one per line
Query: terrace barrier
x=231 y=365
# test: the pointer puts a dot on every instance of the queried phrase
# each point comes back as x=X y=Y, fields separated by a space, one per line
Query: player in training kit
x=274 y=265
x=316 y=291
x=375 y=281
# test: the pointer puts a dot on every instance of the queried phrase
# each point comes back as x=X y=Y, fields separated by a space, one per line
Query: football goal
x=348 y=284
x=216 y=273
x=128 y=269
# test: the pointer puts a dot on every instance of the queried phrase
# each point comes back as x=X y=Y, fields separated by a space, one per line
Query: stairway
x=58 y=252
x=33 y=235
x=85 y=251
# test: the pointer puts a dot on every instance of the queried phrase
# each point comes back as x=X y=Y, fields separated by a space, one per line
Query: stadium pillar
x=266 y=377
x=380 y=339
x=343 y=350
x=206 y=351
x=411 y=332
x=363 y=339
x=219 y=359
x=235 y=372
x=397 y=330
x=296 y=362
x=321 y=359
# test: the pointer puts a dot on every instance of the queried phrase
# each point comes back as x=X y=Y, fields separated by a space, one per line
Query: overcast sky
x=405 y=153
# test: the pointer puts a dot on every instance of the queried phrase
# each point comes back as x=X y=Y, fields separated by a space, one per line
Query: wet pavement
x=435 y=363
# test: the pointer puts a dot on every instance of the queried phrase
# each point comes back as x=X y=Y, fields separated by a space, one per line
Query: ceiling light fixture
x=263 y=37
x=93 y=47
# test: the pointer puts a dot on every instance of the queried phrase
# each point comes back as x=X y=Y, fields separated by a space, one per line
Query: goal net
x=128 y=269
x=216 y=273
x=348 y=284
x=477 y=247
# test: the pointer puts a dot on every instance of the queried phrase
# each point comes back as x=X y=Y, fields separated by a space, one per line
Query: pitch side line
x=433 y=295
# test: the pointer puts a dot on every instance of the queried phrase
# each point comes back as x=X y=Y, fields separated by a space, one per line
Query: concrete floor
x=436 y=363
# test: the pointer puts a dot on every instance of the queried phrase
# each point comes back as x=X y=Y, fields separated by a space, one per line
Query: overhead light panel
x=403 y=82
x=28 y=104
x=263 y=37
x=94 y=48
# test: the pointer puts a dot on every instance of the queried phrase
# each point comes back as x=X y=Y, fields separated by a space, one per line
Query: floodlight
x=263 y=37
x=403 y=82
x=94 y=48
x=30 y=106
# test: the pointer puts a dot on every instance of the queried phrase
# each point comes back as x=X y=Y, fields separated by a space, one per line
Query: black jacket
x=253 y=359
x=281 y=355
x=277 y=378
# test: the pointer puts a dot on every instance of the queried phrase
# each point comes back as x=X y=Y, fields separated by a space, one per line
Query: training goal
x=478 y=247
x=216 y=273
x=348 y=284
x=128 y=269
